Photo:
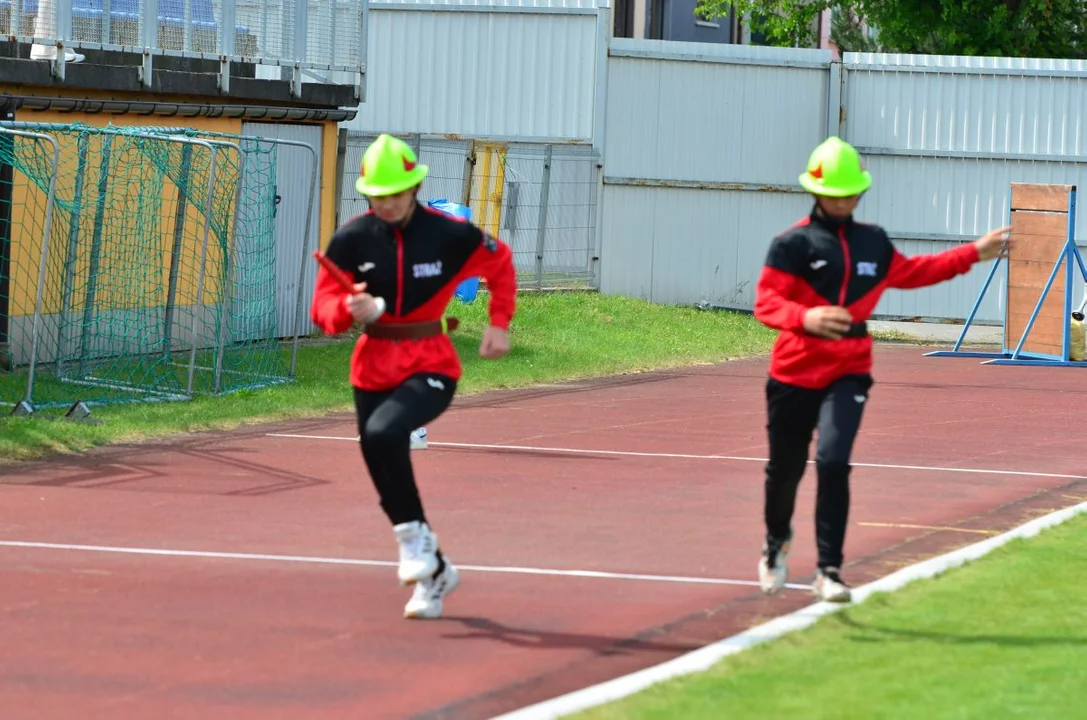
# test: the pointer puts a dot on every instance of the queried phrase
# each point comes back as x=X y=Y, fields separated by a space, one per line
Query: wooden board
x=1031 y=196
x=1039 y=230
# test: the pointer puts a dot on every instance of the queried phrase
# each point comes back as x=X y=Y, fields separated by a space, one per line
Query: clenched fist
x=828 y=321
x=365 y=308
x=495 y=344
x=993 y=244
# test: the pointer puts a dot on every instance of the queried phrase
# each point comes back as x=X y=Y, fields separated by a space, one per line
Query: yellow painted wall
x=329 y=193
x=136 y=216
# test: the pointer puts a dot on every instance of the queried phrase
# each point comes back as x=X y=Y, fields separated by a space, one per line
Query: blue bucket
x=468 y=289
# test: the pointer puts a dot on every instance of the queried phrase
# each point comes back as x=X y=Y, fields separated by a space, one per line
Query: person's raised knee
x=377 y=434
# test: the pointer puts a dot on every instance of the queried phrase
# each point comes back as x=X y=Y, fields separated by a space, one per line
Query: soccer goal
x=136 y=264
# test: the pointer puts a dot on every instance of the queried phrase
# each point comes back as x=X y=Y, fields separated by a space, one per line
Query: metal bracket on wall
x=145 y=69
x=224 y=75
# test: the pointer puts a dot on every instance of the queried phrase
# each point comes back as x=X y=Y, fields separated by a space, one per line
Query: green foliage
x=785 y=23
x=1011 y=28
x=1007 y=28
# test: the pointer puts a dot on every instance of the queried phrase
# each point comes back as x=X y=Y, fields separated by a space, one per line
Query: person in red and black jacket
x=821 y=281
x=407 y=261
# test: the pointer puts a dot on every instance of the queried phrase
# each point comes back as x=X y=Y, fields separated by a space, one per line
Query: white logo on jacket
x=430 y=269
x=818 y=264
x=366 y=267
x=868 y=269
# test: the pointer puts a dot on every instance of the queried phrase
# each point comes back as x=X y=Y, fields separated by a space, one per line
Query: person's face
x=838 y=207
x=394 y=209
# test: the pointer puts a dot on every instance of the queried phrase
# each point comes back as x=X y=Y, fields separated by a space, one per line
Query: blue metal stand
x=1007 y=356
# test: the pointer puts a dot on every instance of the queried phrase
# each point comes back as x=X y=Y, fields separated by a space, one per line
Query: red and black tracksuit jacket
x=416 y=269
x=819 y=261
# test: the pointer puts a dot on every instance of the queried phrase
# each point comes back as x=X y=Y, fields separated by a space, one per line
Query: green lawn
x=1003 y=637
x=556 y=336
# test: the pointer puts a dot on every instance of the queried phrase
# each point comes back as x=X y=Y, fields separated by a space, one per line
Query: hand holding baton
x=345 y=282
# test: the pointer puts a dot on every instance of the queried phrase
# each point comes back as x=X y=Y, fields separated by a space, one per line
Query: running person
x=821 y=281
x=407 y=261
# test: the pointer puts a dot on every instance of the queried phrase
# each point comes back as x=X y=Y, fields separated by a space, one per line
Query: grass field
x=1003 y=637
x=555 y=337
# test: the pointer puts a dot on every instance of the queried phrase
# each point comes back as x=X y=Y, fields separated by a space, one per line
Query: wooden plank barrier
x=1043 y=263
x=1039 y=232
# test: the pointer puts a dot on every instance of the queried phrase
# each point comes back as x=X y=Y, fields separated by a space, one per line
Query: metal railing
x=296 y=40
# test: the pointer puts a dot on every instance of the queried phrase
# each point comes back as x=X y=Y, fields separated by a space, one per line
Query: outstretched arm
x=924 y=270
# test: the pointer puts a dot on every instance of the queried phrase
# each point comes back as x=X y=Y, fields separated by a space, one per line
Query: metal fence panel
x=546 y=214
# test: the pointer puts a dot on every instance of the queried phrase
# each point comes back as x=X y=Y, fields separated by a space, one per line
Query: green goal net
x=136 y=264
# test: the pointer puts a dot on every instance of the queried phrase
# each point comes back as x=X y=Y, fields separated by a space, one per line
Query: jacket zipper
x=845 y=256
x=399 y=272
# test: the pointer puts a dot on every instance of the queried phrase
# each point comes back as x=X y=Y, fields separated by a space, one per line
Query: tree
x=847 y=32
x=1010 y=28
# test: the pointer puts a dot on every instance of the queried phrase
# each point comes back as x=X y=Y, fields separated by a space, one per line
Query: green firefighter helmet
x=834 y=170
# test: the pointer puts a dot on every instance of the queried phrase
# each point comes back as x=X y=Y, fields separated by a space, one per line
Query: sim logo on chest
x=426 y=270
x=867 y=269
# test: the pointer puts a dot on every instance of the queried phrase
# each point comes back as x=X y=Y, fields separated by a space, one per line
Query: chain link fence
x=541 y=199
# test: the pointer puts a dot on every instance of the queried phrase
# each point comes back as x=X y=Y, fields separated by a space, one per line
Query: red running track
x=306 y=622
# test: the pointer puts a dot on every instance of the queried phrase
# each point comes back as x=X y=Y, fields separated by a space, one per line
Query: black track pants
x=793 y=414
x=386 y=421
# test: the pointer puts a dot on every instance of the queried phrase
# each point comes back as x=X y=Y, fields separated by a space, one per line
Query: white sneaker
x=774 y=568
x=418 y=439
x=426 y=600
x=418 y=552
x=830 y=587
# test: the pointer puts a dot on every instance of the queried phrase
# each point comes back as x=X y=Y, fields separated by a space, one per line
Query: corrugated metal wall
x=703 y=145
x=945 y=137
x=481 y=69
x=702 y=149
x=294 y=166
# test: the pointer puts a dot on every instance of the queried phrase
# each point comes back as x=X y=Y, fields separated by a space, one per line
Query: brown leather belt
x=412 y=331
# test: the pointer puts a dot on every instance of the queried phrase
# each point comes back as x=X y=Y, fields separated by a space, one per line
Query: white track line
x=683 y=456
x=704 y=658
x=383 y=563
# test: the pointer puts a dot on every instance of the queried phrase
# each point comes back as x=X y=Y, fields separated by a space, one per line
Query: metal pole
x=227 y=295
x=73 y=251
x=96 y=249
x=469 y=172
x=50 y=199
x=7 y=187
x=175 y=255
x=203 y=259
x=541 y=228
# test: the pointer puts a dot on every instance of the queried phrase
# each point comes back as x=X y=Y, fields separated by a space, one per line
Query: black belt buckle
x=857 y=330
